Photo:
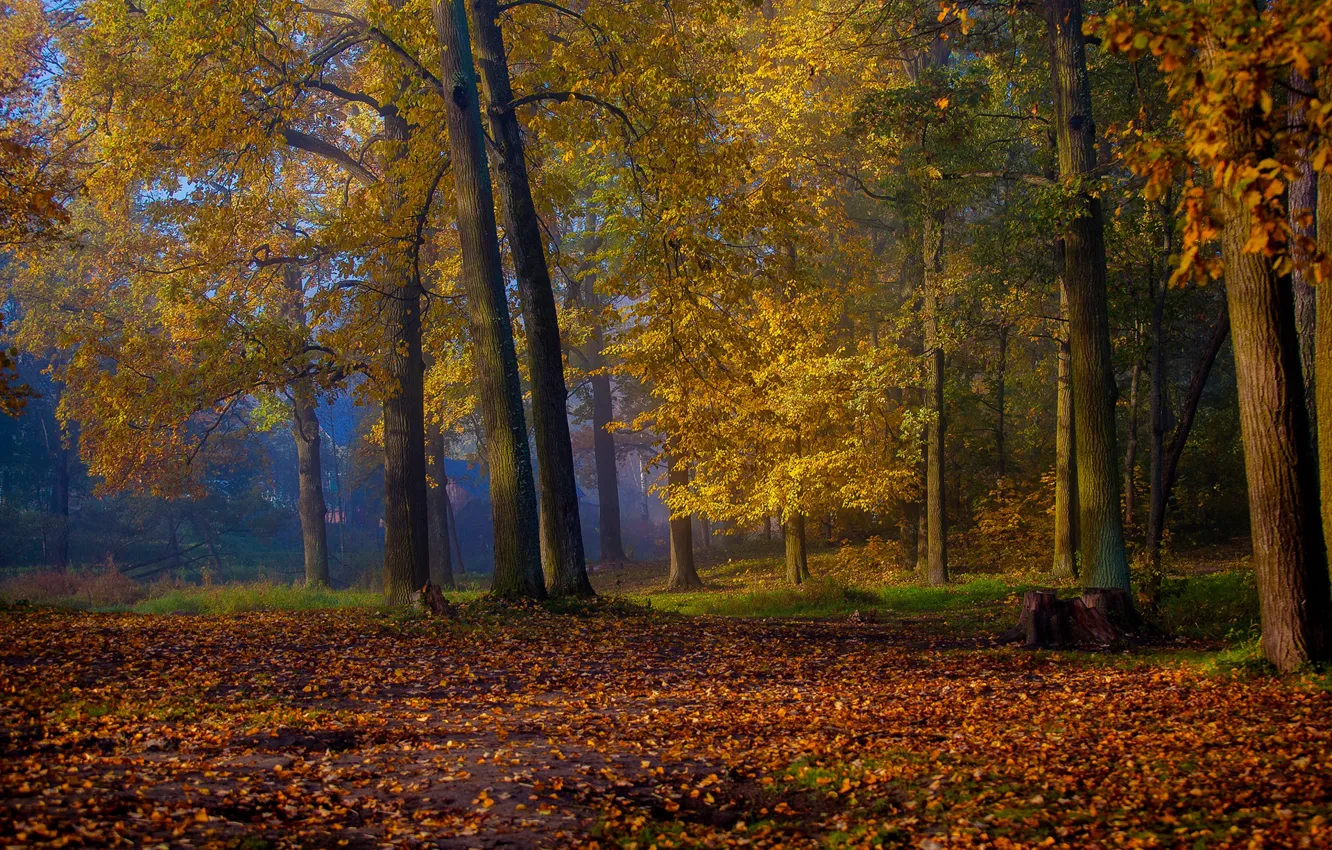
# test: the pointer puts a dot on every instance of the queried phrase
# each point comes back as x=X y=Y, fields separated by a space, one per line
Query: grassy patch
x=257 y=596
x=823 y=598
x=1212 y=606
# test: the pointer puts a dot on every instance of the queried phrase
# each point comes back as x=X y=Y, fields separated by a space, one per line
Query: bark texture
x=797 y=553
x=1100 y=528
x=1323 y=348
x=562 y=551
x=512 y=490
x=310 y=477
x=406 y=530
x=311 y=506
x=1290 y=558
x=1302 y=202
x=936 y=511
x=1066 y=463
x=683 y=574
x=1101 y=617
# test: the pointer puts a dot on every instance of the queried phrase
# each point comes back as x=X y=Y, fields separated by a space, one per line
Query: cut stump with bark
x=1101 y=617
x=433 y=601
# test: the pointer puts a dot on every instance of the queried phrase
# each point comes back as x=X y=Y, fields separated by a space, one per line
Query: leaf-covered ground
x=356 y=728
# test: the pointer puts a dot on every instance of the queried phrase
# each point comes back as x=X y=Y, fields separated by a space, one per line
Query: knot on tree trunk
x=432 y=600
x=1100 y=617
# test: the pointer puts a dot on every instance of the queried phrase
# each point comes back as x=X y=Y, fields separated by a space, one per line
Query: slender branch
x=402 y=53
x=537 y=97
x=563 y=10
x=1033 y=179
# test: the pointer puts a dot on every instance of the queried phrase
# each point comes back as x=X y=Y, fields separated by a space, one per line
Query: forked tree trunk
x=441 y=550
x=1100 y=528
x=512 y=491
x=1290 y=558
x=310 y=478
x=563 y=550
x=1066 y=461
x=683 y=575
x=936 y=510
x=1173 y=450
x=797 y=554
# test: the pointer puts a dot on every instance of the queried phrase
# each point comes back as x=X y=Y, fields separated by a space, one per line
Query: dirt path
x=351 y=729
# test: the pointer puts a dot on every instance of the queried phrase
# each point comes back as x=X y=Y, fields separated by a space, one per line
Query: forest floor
x=900 y=724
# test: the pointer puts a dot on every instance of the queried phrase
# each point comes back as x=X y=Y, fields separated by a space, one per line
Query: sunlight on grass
x=256 y=596
x=830 y=598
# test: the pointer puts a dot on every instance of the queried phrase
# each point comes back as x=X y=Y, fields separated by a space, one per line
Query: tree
x=1100 y=529
x=564 y=560
x=513 y=494
x=683 y=575
x=1221 y=60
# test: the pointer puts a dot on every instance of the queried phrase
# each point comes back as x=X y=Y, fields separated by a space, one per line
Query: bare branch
x=537 y=97
x=320 y=148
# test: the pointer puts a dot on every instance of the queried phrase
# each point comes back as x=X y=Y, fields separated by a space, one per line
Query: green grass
x=1212 y=606
x=256 y=596
x=827 y=598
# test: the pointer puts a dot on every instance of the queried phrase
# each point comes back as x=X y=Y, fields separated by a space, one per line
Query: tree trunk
x=910 y=532
x=512 y=491
x=310 y=476
x=1290 y=558
x=1131 y=446
x=1000 y=403
x=1302 y=202
x=603 y=448
x=406 y=530
x=935 y=505
x=173 y=543
x=797 y=555
x=1066 y=461
x=683 y=575
x=58 y=554
x=922 y=542
x=453 y=530
x=1323 y=350
x=441 y=550
x=1174 y=449
x=550 y=397
x=1100 y=529
x=1102 y=617
x=1157 y=407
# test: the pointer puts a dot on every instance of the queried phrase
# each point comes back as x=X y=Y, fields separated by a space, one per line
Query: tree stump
x=432 y=599
x=1101 y=617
